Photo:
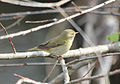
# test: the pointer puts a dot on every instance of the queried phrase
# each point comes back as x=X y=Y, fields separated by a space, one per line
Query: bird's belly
x=60 y=50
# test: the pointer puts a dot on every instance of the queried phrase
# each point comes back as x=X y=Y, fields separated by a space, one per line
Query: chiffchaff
x=58 y=45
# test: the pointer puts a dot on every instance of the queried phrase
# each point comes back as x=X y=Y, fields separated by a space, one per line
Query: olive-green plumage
x=58 y=45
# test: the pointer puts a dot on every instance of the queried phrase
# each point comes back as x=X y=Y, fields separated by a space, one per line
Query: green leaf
x=113 y=37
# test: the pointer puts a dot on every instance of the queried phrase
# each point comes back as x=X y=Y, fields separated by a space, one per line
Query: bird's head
x=68 y=33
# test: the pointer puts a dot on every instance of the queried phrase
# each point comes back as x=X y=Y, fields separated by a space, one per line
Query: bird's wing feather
x=50 y=44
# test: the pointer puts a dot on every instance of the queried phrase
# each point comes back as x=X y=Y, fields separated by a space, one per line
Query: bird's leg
x=54 y=56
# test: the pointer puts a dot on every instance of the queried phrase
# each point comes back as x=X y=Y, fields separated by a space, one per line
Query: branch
x=58 y=64
x=71 y=53
x=29 y=64
x=13 y=24
x=65 y=70
x=27 y=80
x=53 y=23
x=95 y=77
x=21 y=55
x=92 y=50
x=92 y=57
x=30 y=3
x=10 y=40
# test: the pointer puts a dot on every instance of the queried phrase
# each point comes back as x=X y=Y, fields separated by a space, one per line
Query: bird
x=59 y=44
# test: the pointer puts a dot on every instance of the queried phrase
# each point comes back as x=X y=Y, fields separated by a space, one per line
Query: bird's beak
x=76 y=32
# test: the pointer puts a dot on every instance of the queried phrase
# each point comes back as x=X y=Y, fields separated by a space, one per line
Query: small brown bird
x=58 y=45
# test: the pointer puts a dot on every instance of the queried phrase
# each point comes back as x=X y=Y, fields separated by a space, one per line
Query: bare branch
x=93 y=57
x=29 y=64
x=68 y=64
x=10 y=40
x=10 y=18
x=95 y=77
x=49 y=74
x=13 y=24
x=93 y=50
x=42 y=21
x=65 y=70
x=35 y=4
x=27 y=80
x=21 y=55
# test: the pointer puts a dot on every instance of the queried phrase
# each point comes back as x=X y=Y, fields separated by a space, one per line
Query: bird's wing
x=49 y=44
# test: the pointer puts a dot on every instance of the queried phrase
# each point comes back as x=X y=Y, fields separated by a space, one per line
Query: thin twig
x=10 y=40
x=13 y=24
x=42 y=21
x=91 y=68
x=27 y=80
x=76 y=6
x=10 y=18
x=28 y=64
x=117 y=71
x=50 y=71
